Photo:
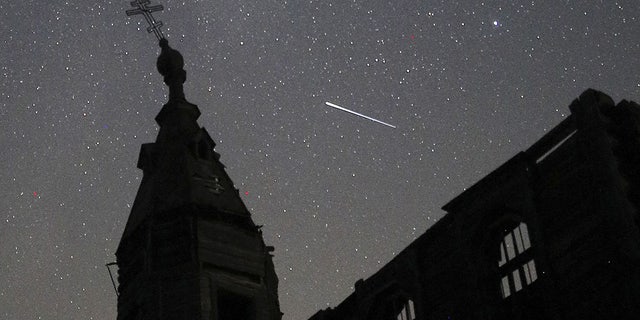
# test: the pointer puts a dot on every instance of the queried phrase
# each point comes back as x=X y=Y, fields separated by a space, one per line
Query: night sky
x=468 y=85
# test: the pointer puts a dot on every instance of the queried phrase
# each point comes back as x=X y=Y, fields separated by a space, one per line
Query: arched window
x=407 y=312
x=517 y=266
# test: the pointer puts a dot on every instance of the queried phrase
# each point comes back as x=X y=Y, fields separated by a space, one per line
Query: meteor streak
x=358 y=114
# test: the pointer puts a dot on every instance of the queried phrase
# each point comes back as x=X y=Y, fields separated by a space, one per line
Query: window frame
x=516 y=262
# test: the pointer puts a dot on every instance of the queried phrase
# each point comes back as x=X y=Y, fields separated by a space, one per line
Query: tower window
x=516 y=265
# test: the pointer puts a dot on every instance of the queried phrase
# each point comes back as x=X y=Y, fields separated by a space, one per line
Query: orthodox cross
x=143 y=9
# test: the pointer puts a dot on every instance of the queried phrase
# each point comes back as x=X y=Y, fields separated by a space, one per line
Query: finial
x=143 y=9
x=170 y=62
x=170 y=65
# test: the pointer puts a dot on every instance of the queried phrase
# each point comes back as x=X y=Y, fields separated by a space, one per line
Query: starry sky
x=468 y=84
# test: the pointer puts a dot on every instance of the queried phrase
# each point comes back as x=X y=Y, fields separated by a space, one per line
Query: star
x=80 y=91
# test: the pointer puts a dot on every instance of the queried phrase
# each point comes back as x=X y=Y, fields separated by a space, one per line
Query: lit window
x=407 y=312
x=517 y=267
x=516 y=280
x=530 y=272
x=505 y=287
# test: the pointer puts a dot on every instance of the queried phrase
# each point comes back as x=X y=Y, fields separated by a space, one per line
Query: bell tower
x=190 y=249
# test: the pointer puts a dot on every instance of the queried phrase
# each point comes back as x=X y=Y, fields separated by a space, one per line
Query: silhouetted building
x=551 y=234
x=190 y=249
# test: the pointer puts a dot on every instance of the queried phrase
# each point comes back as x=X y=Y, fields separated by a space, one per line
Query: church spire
x=181 y=167
x=190 y=249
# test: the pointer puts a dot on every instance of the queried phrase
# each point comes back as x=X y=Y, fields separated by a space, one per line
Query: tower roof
x=181 y=169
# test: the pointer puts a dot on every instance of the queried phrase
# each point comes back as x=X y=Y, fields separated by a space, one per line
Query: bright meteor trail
x=358 y=114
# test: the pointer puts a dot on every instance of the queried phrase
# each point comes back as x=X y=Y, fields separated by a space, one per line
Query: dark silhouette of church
x=190 y=249
x=553 y=233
